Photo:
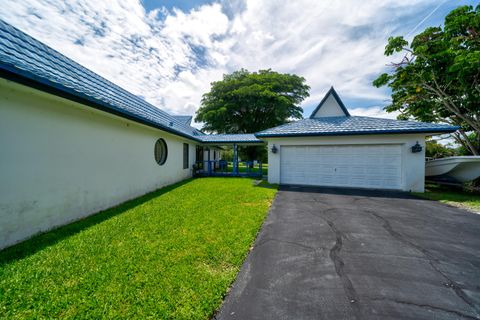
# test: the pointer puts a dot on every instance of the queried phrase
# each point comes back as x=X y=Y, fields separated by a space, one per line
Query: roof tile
x=231 y=138
x=353 y=126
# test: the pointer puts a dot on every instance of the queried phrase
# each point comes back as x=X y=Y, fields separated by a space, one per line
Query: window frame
x=160 y=145
x=186 y=155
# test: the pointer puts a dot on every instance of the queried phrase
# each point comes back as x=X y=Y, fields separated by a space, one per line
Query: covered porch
x=209 y=162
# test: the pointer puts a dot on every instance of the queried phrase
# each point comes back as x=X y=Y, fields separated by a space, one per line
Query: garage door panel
x=376 y=183
x=390 y=171
x=366 y=166
x=357 y=181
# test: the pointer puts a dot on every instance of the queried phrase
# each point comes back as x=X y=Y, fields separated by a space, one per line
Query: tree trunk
x=468 y=143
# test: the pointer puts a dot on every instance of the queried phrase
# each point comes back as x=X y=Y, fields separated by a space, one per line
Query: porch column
x=235 y=159
x=209 y=163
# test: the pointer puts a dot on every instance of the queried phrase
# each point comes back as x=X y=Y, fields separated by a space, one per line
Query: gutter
x=352 y=133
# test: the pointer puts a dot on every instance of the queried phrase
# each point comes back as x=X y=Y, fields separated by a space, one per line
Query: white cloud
x=171 y=57
x=152 y=57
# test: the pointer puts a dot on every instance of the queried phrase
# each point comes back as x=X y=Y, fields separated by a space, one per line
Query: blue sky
x=168 y=52
x=185 y=5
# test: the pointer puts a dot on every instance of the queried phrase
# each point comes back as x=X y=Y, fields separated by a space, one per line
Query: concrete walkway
x=346 y=254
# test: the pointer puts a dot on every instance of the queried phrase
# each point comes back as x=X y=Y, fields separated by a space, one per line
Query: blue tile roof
x=331 y=126
x=24 y=59
x=184 y=119
x=231 y=138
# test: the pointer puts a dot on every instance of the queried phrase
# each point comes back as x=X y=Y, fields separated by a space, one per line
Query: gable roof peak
x=332 y=106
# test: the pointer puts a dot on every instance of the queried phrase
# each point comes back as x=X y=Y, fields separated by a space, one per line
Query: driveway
x=348 y=254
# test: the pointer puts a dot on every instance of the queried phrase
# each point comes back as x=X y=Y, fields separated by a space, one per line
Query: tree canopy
x=433 y=149
x=438 y=76
x=248 y=102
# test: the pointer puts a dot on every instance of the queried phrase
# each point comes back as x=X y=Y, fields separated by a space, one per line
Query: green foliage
x=463 y=199
x=438 y=78
x=462 y=150
x=227 y=154
x=436 y=150
x=395 y=44
x=171 y=254
x=245 y=102
x=248 y=102
x=259 y=153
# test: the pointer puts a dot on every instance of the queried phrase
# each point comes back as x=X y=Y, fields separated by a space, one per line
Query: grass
x=170 y=254
x=462 y=199
x=243 y=168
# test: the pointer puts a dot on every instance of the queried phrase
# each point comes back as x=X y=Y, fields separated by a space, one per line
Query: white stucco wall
x=61 y=161
x=330 y=108
x=413 y=164
x=214 y=153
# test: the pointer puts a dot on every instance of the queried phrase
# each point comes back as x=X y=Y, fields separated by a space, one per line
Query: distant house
x=72 y=143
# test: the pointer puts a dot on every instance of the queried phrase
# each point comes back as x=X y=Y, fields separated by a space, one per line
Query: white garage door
x=362 y=166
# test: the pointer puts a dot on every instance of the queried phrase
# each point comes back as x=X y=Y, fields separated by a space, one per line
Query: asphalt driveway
x=346 y=254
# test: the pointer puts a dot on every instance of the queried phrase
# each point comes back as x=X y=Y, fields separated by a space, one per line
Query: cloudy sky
x=168 y=52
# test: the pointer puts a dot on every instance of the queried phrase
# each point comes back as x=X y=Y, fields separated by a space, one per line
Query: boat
x=461 y=169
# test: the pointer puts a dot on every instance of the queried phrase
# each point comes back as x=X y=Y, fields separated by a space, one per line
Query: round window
x=161 y=151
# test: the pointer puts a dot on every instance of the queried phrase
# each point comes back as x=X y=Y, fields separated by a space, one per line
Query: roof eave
x=231 y=142
x=356 y=133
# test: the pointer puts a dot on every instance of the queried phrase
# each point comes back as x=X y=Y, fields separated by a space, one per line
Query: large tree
x=248 y=102
x=438 y=76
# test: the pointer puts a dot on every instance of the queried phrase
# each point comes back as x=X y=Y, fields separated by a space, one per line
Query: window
x=185 y=156
x=161 y=151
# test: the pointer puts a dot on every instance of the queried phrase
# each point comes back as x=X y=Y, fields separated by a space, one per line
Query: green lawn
x=169 y=254
x=463 y=199
x=243 y=168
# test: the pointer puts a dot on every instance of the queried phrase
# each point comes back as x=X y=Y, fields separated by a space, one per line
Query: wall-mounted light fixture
x=274 y=149
x=416 y=148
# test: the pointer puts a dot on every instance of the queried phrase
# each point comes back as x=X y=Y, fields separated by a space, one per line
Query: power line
x=426 y=17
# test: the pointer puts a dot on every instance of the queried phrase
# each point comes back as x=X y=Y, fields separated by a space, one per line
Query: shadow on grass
x=44 y=240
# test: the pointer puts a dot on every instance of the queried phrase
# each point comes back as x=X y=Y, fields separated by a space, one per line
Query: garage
x=335 y=149
x=361 y=166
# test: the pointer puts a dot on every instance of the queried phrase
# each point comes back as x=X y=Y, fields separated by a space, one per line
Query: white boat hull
x=460 y=168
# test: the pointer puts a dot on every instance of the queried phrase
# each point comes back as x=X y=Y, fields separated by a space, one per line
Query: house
x=333 y=148
x=73 y=143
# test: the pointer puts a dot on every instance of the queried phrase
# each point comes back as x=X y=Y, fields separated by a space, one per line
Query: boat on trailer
x=461 y=169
